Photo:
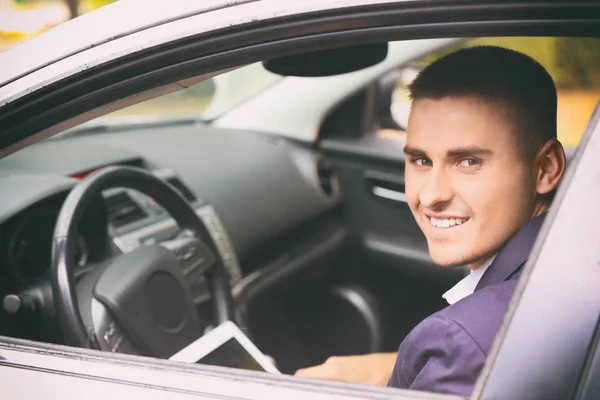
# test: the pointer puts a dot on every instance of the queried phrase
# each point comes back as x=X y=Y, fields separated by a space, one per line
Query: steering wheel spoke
x=195 y=257
x=109 y=334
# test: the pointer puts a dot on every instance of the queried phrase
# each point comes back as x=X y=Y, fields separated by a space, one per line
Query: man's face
x=467 y=186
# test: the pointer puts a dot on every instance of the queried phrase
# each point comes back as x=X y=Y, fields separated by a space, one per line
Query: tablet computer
x=226 y=346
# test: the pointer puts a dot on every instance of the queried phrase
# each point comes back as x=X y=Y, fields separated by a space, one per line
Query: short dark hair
x=502 y=77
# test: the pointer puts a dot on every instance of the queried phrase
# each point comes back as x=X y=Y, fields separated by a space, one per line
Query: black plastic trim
x=290 y=265
x=362 y=302
x=410 y=257
x=367 y=148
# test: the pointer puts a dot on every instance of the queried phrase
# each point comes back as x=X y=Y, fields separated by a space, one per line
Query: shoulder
x=438 y=355
x=481 y=314
x=446 y=351
x=475 y=318
x=438 y=333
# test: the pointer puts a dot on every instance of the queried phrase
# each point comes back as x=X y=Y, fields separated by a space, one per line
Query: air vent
x=123 y=210
x=185 y=192
x=326 y=176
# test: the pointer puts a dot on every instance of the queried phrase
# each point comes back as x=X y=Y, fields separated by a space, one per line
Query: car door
x=579 y=294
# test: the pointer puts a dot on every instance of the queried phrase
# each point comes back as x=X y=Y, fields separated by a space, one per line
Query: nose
x=436 y=191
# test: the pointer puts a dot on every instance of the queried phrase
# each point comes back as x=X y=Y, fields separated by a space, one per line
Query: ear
x=551 y=164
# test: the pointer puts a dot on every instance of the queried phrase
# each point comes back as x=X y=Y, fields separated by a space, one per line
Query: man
x=482 y=164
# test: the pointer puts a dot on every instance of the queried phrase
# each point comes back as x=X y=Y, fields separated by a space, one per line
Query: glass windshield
x=202 y=101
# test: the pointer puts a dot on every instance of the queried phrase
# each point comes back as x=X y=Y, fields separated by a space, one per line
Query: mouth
x=447 y=222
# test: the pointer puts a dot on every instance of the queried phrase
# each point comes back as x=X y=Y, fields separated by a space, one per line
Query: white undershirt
x=467 y=285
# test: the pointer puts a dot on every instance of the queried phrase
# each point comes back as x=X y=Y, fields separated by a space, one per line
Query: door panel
x=392 y=256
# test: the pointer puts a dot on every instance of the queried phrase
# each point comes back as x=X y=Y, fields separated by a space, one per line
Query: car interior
x=319 y=254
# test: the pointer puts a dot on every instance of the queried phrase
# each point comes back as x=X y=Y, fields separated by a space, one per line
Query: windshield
x=203 y=101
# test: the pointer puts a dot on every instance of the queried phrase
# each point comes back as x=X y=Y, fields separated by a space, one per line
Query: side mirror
x=330 y=62
x=385 y=97
x=393 y=107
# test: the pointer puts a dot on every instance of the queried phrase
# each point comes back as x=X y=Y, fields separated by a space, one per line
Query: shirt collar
x=513 y=255
x=468 y=284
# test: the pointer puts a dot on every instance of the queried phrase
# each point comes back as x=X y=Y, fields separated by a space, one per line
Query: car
x=128 y=232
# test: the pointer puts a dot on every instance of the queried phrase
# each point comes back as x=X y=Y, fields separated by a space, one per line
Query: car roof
x=128 y=18
x=111 y=22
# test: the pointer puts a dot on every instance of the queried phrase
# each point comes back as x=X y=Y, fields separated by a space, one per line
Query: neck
x=477 y=264
x=539 y=209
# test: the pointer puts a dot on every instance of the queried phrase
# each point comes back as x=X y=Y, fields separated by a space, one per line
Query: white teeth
x=447 y=222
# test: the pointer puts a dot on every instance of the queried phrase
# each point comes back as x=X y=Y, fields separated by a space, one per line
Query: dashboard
x=27 y=241
x=248 y=188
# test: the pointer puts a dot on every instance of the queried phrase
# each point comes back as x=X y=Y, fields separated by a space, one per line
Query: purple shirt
x=446 y=352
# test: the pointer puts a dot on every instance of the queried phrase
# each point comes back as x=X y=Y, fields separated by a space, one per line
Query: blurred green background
x=571 y=61
x=22 y=19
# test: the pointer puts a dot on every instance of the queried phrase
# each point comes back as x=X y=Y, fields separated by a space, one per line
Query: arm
x=369 y=369
x=438 y=356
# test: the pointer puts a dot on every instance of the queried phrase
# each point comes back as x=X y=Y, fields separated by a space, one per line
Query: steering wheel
x=138 y=302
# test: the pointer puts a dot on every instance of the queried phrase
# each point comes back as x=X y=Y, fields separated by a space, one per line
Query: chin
x=449 y=263
x=444 y=258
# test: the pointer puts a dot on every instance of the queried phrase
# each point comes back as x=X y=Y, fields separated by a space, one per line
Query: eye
x=421 y=162
x=469 y=162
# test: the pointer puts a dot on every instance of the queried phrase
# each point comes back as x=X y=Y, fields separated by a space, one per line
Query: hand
x=369 y=369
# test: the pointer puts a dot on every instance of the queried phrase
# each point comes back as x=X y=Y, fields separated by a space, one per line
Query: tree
x=73 y=8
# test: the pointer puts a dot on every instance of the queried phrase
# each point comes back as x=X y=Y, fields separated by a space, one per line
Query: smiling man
x=482 y=164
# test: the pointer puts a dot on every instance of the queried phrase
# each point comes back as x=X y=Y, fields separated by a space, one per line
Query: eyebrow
x=414 y=152
x=467 y=151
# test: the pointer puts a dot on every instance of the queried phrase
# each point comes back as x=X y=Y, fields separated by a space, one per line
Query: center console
x=136 y=220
